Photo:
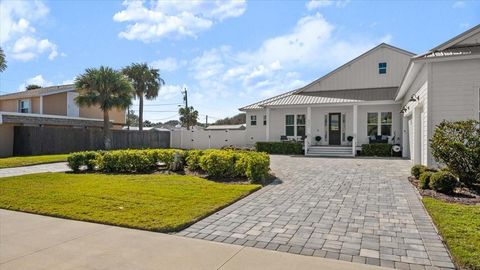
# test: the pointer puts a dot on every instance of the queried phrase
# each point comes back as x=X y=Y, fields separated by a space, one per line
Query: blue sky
x=227 y=53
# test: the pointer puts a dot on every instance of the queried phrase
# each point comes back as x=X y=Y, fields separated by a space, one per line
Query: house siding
x=55 y=104
x=454 y=90
x=117 y=116
x=258 y=132
x=8 y=105
x=363 y=73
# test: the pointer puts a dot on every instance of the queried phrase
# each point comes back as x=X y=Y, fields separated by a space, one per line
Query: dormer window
x=382 y=68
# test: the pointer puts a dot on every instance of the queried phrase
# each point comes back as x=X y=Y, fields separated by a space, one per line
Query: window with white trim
x=372 y=124
x=386 y=121
x=265 y=120
x=301 y=125
x=253 y=120
x=24 y=106
x=289 y=125
x=379 y=123
x=382 y=68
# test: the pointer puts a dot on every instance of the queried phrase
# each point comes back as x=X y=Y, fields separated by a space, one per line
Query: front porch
x=334 y=129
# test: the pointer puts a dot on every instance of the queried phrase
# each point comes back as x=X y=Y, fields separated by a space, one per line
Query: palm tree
x=3 y=62
x=146 y=82
x=106 y=88
x=188 y=116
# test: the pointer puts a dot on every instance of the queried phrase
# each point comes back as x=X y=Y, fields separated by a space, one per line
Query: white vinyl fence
x=204 y=139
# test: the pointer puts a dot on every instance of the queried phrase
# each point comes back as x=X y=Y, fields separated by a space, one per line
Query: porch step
x=330 y=151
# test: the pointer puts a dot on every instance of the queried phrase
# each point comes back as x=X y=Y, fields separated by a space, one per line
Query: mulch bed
x=461 y=195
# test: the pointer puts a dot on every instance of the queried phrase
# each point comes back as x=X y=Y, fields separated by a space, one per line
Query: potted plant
x=350 y=139
x=318 y=139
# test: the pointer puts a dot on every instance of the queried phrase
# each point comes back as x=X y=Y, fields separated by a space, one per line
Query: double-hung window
x=379 y=123
x=24 y=106
x=372 y=124
x=290 y=125
x=264 y=120
x=253 y=120
x=382 y=68
x=301 y=125
x=386 y=121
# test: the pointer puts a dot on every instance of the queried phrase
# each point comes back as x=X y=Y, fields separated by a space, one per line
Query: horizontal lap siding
x=454 y=91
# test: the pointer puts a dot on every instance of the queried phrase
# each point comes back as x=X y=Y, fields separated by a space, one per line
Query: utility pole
x=206 y=120
x=187 y=116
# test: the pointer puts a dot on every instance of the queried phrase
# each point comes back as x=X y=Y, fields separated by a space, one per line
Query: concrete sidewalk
x=41 y=168
x=38 y=242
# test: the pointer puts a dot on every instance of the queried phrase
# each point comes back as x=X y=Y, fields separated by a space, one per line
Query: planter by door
x=334 y=129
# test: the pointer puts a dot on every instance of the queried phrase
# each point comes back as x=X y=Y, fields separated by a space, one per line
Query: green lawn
x=152 y=202
x=460 y=227
x=30 y=160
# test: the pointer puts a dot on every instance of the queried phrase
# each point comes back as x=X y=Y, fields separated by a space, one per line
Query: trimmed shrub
x=444 y=182
x=127 y=161
x=283 y=148
x=79 y=159
x=457 y=145
x=424 y=180
x=253 y=165
x=417 y=170
x=377 y=149
x=219 y=163
x=193 y=159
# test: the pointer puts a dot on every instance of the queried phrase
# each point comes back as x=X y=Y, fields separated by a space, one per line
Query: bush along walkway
x=42 y=168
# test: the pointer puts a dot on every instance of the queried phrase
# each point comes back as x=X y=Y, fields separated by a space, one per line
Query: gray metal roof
x=39 y=92
x=258 y=105
x=333 y=97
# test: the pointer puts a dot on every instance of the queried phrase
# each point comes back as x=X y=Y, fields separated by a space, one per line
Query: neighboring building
x=226 y=127
x=385 y=95
x=49 y=106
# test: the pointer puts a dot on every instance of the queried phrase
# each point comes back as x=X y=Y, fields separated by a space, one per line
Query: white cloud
x=316 y=4
x=38 y=80
x=459 y=4
x=159 y=19
x=275 y=66
x=26 y=48
x=17 y=34
x=168 y=64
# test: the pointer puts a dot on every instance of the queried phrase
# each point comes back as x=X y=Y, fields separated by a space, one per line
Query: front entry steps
x=330 y=151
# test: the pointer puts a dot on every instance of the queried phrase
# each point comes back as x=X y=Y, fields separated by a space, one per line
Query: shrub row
x=441 y=181
x=283 y=148
x=122 y=161
x=229 y=163
x=215 y=163
x=377 y=149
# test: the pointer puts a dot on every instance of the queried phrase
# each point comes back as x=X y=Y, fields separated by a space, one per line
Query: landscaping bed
x=156 y=202
x=11 y=162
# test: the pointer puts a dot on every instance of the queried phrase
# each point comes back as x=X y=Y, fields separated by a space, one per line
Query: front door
x=334 y=129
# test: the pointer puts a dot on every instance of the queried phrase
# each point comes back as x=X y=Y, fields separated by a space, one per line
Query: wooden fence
x=59 y=140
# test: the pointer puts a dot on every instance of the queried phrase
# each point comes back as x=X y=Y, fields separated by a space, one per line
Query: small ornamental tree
x=457 y=145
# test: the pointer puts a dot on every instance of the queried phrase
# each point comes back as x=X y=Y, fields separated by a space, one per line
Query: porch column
x=405 y=137
x=355 y=129
x=417 y=147
x=308 y=123
x=41 y=105
x=267 y=126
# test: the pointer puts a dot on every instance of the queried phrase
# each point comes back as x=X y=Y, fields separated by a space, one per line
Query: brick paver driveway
x=359 y=210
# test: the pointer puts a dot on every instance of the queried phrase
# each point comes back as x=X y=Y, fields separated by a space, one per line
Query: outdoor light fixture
x=413 y=98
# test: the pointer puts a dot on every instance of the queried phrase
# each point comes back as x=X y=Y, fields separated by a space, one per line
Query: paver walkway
x=37 y=242
x=41 y=168
x=359 y=210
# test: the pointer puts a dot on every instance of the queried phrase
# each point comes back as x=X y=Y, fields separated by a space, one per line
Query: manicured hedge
x=215 y=163
x=377 y=149
x=444 y=182
x=418 y=169
x=283 y=148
